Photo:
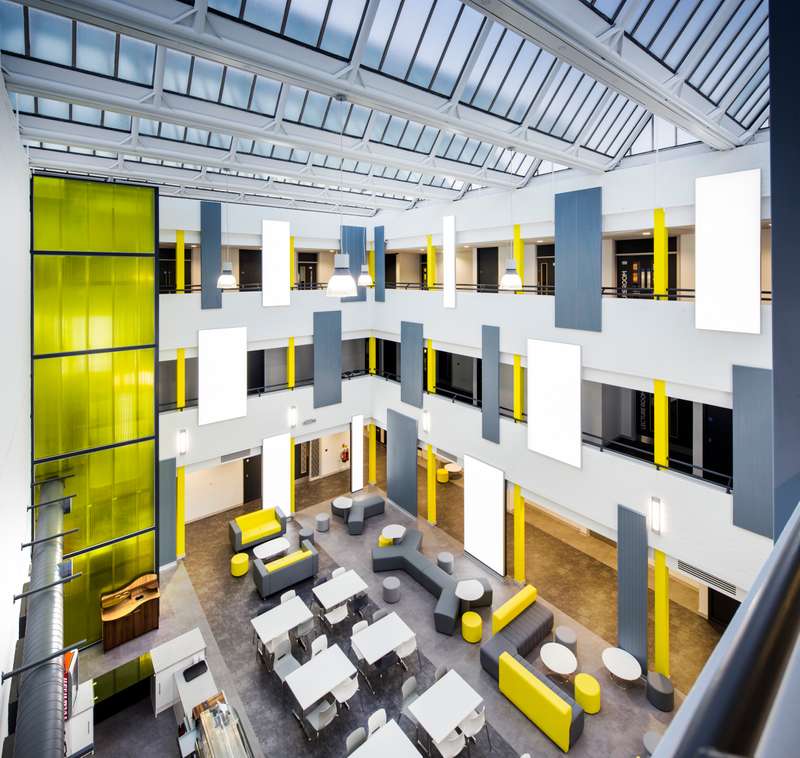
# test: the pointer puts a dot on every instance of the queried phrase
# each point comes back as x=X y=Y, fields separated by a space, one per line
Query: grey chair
x=440 y=672
x=284 y=662
x=355 y=740
x=302 y=632
x=321 y=716
x=362 y=667
x=410 y=694
x=376 y=721
x=379 y=614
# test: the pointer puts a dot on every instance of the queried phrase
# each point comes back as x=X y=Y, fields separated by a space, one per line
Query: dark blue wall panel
x=752 y=449
x=411 y=344
x=490 y=383
x=632 y=583
x=354 y=243
x=210 y=254
x=167 y=512
x=380 y=265
x=401 y=460
x=579 y=259
x=327 y=358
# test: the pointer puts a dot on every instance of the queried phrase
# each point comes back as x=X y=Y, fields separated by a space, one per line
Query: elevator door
x=487 y=269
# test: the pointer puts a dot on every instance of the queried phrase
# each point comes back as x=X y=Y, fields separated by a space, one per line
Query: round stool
x=305 y=533
x=442 y=476
x=323 y=522
x=471 y=627
x=587 y=692
x=660 y=692
x=566 y=636
x=391 y=589
x=445 y=562
x=239 y=564
x=384 y=541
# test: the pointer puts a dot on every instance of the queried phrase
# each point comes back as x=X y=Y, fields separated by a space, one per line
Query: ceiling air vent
x=235 y=456
x=709 y=579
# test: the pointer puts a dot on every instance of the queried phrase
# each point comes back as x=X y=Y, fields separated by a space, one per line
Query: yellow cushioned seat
x=509 y=610
x=287 y=560
x=587 y=692
x=239 y=564
x=471 y=627
x=442 y=475
x=258 y=524
x=384 y=541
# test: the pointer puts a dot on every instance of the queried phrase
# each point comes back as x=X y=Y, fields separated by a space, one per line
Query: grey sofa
x=365 y=505
x=253 y=528
x=406 y=556
x=285 y=575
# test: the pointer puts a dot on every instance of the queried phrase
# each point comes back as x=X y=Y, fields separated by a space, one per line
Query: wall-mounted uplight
x=226 y=279
x=291 y=416
x=182 y=442
x=656 y=515
x=426 y=422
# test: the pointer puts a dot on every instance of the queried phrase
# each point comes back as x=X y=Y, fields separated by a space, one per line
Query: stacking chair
x=379 y=614
x=319 y=645
x=440 y=672
x=471 y=726
x=338 y=572
x=287 y=596
x=284 y=662
x=321 y=579
x=355 y=740
x=361 y=664
x=345 y=691
x=410 y=694
x=321 y=716
x=452 y=745
x=406 y=650
x=335 y=616
x=301 y=633
x=358 y=604
x=376 y=721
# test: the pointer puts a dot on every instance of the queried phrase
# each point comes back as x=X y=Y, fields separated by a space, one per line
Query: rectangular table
x=444 y=705
x=339 y=589
x=317 y=678
x=382 y=637
x=280 y=620
x=389 y=741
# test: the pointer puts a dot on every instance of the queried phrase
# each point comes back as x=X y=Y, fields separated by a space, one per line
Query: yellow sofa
x=253 y=528
x=509 y=610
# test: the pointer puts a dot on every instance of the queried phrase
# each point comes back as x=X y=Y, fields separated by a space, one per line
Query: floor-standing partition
x=94 y=365
x=401 y=460
x=632 y=583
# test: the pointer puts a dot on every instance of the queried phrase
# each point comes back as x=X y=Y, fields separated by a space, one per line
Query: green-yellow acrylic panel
x=102 y=570
x=124 y=676
x=92 y=302
x=91 y=217
x=88 y=401
x=113 y=492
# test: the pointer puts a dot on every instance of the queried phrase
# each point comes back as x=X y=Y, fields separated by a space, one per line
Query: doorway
x=390 y=272
x=546 y=269
x=721 y=608
x=249 y=270
x=717 y=444
x=634 y=259
x=251 y=472
x=487 y=269
x=306 y=271
x=423 y=271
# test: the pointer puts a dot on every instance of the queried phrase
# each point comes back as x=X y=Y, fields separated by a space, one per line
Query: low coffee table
x=622 y=666
x=394 y=532
x=469 y=590
x=267 y=551
x=558 y=658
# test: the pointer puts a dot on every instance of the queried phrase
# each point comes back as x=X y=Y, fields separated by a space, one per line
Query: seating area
x=253 y=528
x=354 y=510
x=286 y=571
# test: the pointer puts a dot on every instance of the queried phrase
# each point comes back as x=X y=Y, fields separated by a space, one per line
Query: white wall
x=330 y=450
x=212 y=490
x=15 y=439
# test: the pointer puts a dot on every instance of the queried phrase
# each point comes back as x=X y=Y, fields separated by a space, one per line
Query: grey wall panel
x=327 y=358
x=401 y=460
x=210 y=254
x=579 y=259
x=632 y=583
x=411 y=360
x=167 y=512
x=490 y=383
x=380 y=265
x=354 y=243
x=752 y=449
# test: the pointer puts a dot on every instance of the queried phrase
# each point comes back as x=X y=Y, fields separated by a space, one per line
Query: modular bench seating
x=256 y=527
x=364 y=506
x=406 y=556
x=518 y=626
x=283 y=572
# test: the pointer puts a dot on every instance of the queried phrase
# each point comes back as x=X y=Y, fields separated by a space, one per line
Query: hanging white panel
x=221 y=374
x=275 y=263
x=728 y=252
x=485 y=513
x=554 y=400
x=357 y=453
x=449 y=261
x=276 y=472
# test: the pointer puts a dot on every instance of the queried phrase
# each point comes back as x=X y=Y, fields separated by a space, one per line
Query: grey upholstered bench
x=364 y=507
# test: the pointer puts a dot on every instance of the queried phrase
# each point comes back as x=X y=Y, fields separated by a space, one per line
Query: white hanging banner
x=275 y=263
x=449 y=261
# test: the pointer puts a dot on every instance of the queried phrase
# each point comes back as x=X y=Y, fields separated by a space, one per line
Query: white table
x=389 y=741
x=343 y=502
x=266 y=551
x=558 y=658
x=393 y=532
x=339 y=589
x=382 y=637
x=444 y=705
x=318 y=677
x=281 y=619
x=453 y=469
x=469 y=590
x=621 y=664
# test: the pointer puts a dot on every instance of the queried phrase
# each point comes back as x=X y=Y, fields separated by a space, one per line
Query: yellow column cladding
x=431 y=368
x=519 y=535
x=431 y=262
x=371 y=263
x=180 y=377
x=180 y=257
x=431 y=470
x=660 y=423
x=372 y=471
x=373 y=355
x=291 y=474
x=518 y=388
x=660 y=255
x=290 y=363
x=661 y=616
x=292 y=267
x=180 y=512
x=519 y=253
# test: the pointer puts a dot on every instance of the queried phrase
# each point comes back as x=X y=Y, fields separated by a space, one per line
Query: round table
x=343 y=503
x=266 y=551
x=453 y=469
x=469 y=590
x=393 y=532
x=558 y=659
x=621 y=664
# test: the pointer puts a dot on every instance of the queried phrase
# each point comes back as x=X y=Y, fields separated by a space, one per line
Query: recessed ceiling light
x=539 y=242
x=331 y=251
x=645 y=234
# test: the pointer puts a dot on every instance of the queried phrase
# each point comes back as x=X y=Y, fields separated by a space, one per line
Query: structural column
x=290 y=364
x=431 y=263
x=519 y=254
x=291 y=474
x=373 y=355
x=661 y=617
x=180 y=258
x=372 y=469
x=518 y=388
x=431 y=471
x=431 y=368
x=660 y=256
x=180 y=512
x=660 y=424
x=292 y=264
x=180 y=377
x=371 y=262
x=519 y=535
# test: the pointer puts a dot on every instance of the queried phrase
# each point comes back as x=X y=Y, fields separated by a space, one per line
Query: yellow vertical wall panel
x=180 y=377
x=373 y=355
x=431 y=250
x=660 y=423
x=431 y=473
x=660 y=255
x=519 y=535
x=291 y=474
x=431 y=368
x=372 y=469
x=519 y=253
x=661 y=615
x=518 y=388
x=290 y=363
x=371 y=263
x=292 y=264
x=180 y=261
x=180 y=511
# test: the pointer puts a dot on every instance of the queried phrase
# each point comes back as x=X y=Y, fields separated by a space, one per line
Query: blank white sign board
x=276 y=473
x=275 y=263
x=554 y=400
x=485 y=513
x=727 y=264
x=221 y=374
x=357 y=453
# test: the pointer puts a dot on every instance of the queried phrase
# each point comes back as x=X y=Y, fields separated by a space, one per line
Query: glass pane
x=426 y=141
x=197 y=136
x=23 y=103
x=532 y=83
x=294 y=103
x=236 y=91
x=220 y=140
x=173 y=131
x=413 y=132
x=305 y=20
x=206 y=79
x=136 y=59
x=344 y=18
x=405 y=38
x=515 y=79
x=379 y=34
x=176 y=71
x=95 y=51
x=51 y=37
x=485 y=56
x=434 y=41
x=503 y=59
x=265 y=96
x=53 y=108
x=231 y=7
x=85 y=115
x=117 y=120
x=458 y=51
x=357 y=122
x=12 y=32
x=392 y=134
x=314 y=109
x=267 y=14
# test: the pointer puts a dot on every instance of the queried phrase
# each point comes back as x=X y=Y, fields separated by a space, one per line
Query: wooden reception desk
x=130 y=611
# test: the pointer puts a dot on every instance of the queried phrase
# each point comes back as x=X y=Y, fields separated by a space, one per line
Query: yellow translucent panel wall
x=91 y=217
x=92 y=302
x=122 y=677
x=103 y=570
x=87 y=401
x=113 y=489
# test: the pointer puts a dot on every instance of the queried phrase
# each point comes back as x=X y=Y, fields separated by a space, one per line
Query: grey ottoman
x=650 y=742
x=391 y=589
x=566 y=636
x=323 y=522
x=445 y=562
x=305 y=533
x=660 y=692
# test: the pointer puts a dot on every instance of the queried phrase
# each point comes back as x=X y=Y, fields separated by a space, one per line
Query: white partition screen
x=221 y=374
x=728 y=252
x=485 y=513
x=554 y=400
x=449 y=261
x=356 y=453
x=275 y=263
x=276 y=473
